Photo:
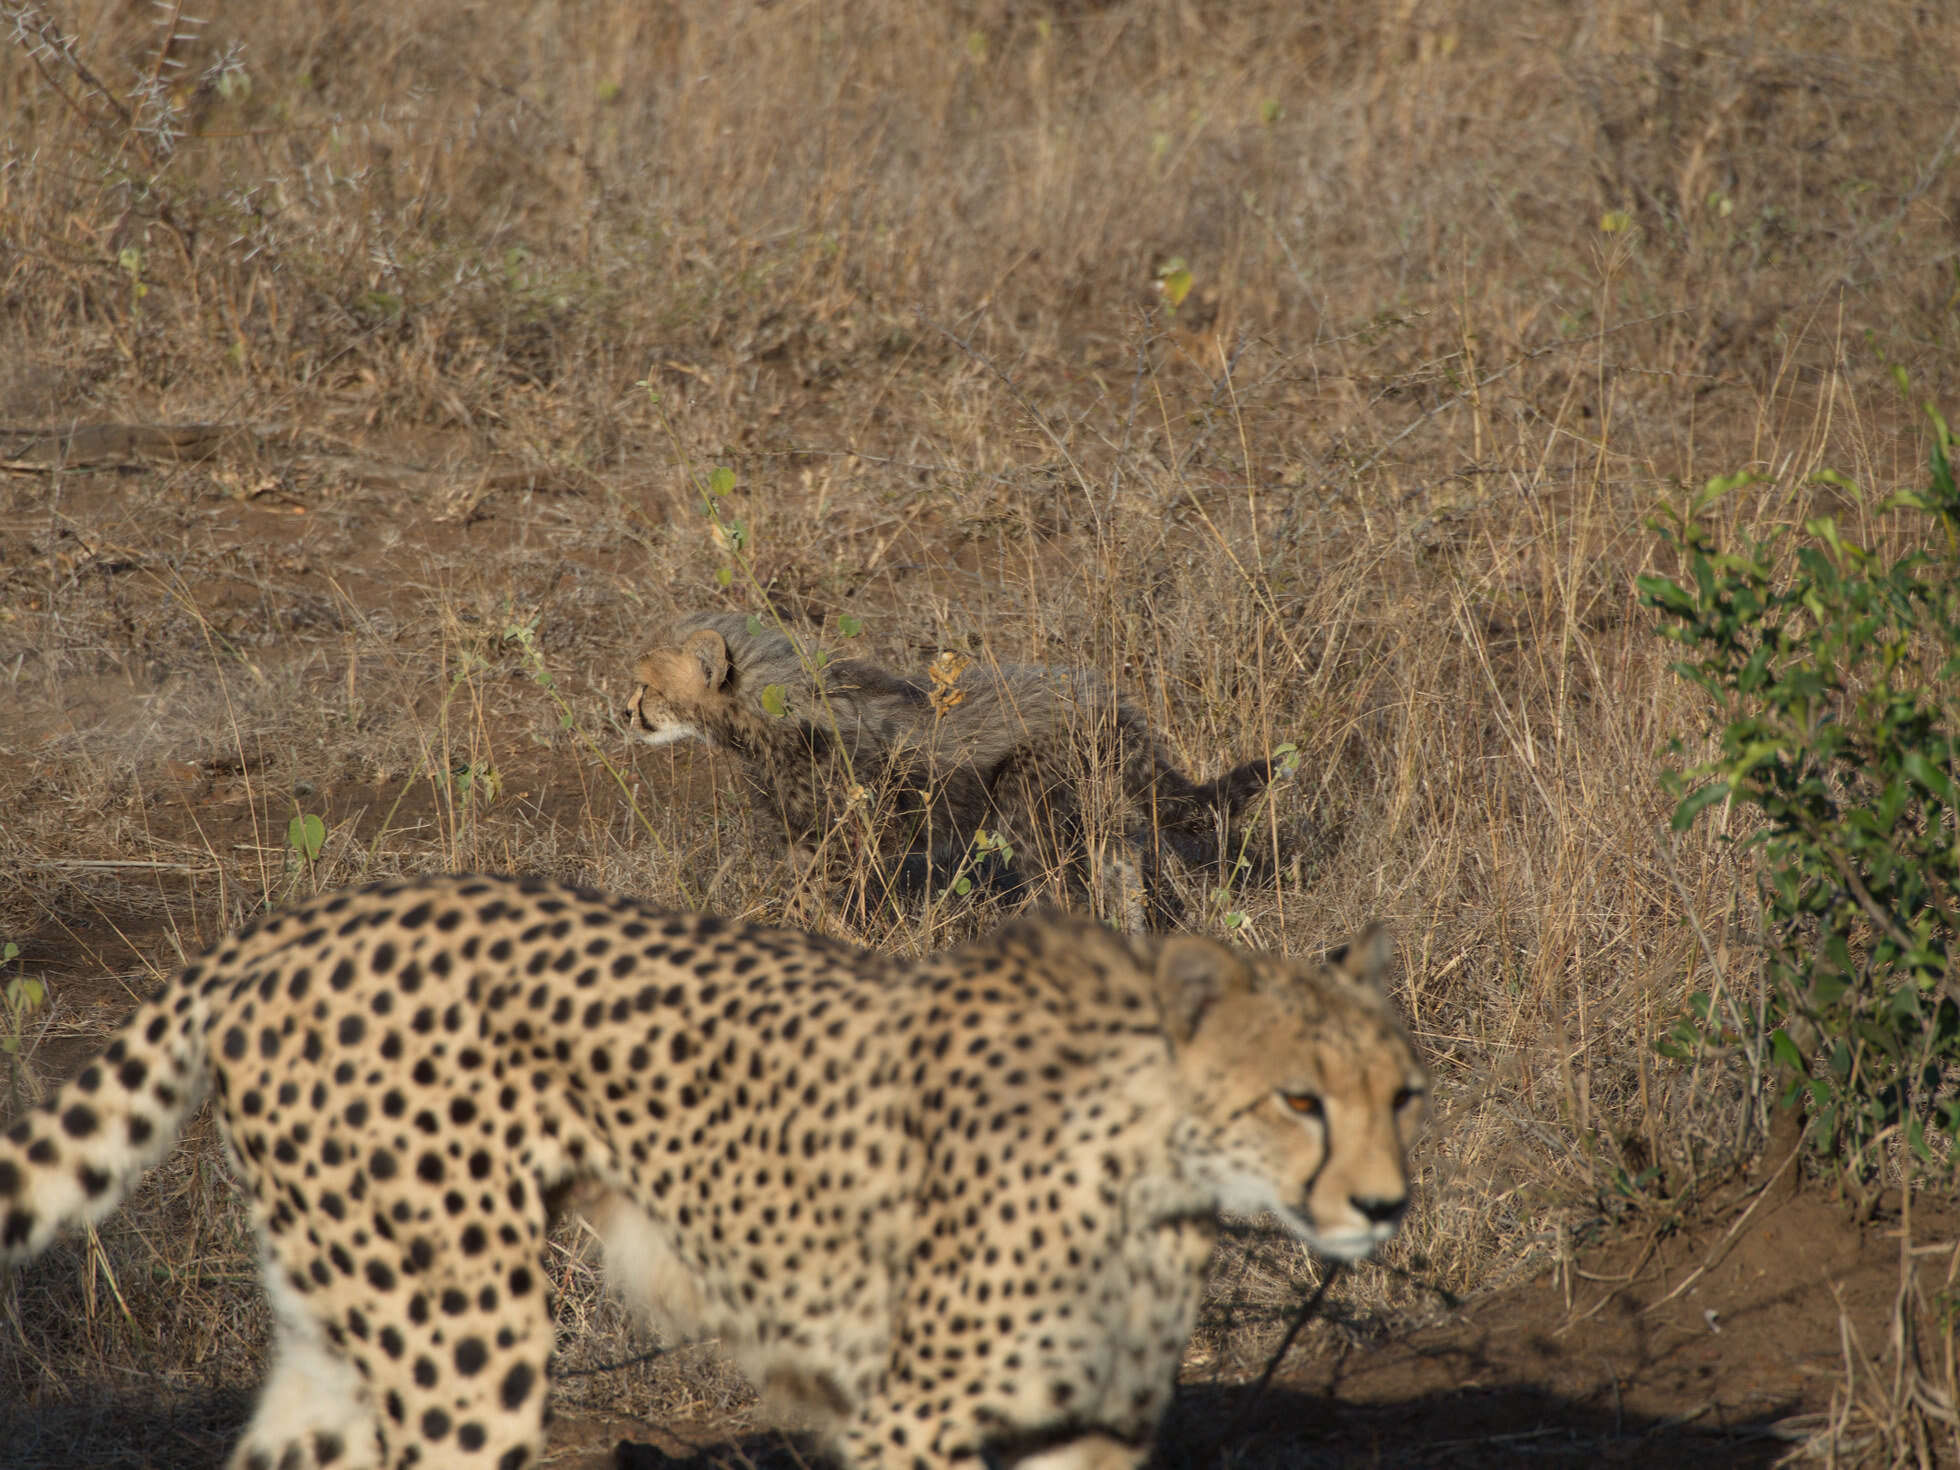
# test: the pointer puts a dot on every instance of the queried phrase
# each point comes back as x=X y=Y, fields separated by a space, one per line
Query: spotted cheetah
x=959 y=1209
x=997 y=748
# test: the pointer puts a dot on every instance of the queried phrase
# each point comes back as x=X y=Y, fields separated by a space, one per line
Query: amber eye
x=1306 y=1104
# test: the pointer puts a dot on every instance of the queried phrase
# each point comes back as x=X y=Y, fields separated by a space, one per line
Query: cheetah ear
x=710 y=650
x=1193 y=974
x=1364 y=959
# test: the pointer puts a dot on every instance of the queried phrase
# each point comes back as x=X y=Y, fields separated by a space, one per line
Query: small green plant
x=1286 y=760
x=129 y=260
x=726 y=531
x=985 y=845
x=524 y=633
x=1173 y=283
x=1285 y=765
x=730 y=535
x=477 y=783
x=24 y=996
x=1835 y=678
x=306 y=834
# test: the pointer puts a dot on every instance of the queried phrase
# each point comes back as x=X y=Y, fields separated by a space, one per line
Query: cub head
x=684 y=692
x=1302 y=1088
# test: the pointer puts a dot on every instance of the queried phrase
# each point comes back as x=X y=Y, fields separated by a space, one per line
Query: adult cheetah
x=959 y=1208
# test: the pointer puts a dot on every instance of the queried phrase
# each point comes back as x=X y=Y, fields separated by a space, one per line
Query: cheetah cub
x=957 y=1210
x=1020 y=749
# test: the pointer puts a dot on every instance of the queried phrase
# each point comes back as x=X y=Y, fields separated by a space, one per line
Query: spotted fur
x=959 y=1210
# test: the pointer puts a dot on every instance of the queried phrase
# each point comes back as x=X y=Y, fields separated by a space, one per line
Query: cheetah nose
x=1378 y=1211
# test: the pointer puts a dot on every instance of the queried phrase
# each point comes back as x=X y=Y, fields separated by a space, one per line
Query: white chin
x=1355 y=1245
x=1248 y=1196
x=671 y=734
x=1342 y=1245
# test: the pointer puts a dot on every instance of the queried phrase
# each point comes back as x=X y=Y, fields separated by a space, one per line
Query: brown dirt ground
x=1721 y=1341
x=1716 y=1343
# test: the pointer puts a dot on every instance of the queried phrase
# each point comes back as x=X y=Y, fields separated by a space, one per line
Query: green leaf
x=849 y=626
x=1842 y=482
x=306 y=835
x=1719 y=487
x=721 y=480
x=1174 y=281
x=1665 y=593
x=1916 y=1139
x=1691 y=806
x=775 y=702
x=1915 y=767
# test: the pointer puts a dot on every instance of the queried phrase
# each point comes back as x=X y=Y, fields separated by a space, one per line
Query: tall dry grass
x=1473 y=289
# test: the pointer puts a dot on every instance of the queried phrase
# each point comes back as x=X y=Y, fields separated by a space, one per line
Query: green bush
x=1835 y=676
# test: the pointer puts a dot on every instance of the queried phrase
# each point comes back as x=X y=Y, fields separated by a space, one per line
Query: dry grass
x=1474 y=288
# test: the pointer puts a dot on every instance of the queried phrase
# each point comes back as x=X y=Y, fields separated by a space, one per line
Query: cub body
x=1023 y=750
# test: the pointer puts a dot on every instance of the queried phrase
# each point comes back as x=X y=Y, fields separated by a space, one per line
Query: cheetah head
x=1302 y=1088
x=681 y=691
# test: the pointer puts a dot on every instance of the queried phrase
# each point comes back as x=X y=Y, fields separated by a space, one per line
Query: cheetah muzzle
x=959 y=1209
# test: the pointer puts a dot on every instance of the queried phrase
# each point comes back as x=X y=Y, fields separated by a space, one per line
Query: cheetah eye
x=1306 y=1104
x=1405 y=1097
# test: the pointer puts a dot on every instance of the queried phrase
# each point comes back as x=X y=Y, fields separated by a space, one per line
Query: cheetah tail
x=72 y=1158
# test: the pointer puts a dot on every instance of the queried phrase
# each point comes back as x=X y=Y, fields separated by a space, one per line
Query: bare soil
x=1732 y=1338
x=1721 y=1342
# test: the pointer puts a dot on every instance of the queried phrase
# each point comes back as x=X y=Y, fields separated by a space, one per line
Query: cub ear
x=1193 y=974
x=710 y=650
x=1365 y=959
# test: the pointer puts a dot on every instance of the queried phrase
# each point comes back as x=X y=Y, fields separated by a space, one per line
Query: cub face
x=683 y=693
x=1304 y=1091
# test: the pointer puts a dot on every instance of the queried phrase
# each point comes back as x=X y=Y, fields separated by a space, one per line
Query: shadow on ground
x=1210 y=1429
x=1714 y=1338
x=172 y=1429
